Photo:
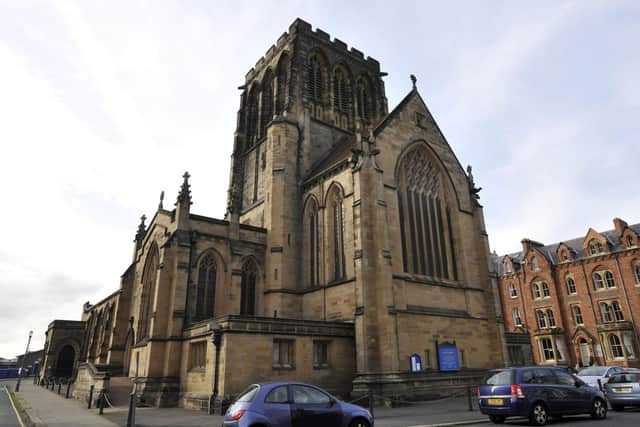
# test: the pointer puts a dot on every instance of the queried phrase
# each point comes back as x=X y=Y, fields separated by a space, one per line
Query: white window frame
x=517 y=320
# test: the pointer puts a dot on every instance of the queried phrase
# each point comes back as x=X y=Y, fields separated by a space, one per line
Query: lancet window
x=148 y=292
x=248 y=288
x=206 y=289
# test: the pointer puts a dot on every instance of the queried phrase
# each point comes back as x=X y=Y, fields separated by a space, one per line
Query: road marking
x=14 y=407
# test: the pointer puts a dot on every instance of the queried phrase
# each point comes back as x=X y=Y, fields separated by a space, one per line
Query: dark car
x=293 y=404
x=623 y=389
x=538 y=393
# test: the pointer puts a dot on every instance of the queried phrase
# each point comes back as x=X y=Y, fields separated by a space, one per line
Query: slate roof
x=550 y=251
x=340 y=152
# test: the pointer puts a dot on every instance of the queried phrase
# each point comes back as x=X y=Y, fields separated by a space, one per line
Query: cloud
x=104 y=107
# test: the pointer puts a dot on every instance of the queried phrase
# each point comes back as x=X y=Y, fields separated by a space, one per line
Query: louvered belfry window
x=425 y=220
x=316 y=86
x=340 y=91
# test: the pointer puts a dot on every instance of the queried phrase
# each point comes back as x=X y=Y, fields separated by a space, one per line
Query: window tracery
x=425 y=219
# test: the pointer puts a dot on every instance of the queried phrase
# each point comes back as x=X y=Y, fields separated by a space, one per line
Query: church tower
x=305 y=98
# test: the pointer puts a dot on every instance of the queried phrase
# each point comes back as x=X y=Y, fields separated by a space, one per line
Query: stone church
x=353 y=240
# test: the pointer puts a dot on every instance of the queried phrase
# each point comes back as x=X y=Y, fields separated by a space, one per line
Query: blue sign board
x=416 y=362
x=448 y=357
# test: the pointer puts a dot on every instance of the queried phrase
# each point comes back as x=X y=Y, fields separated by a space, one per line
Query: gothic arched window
x=341 y=90
x=266 y=103
x=312 y=243
x=571 y=286
x=336 y=215
x=425 y=219
x=148 y=292
x=206 y=290
x=248 y=288
x=364 y=107
x=282 y=83
x=252 y=117
x=316 y=83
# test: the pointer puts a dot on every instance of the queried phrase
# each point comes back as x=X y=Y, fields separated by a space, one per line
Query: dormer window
x=630 y=242
x=508 y=267
x=564 y=255
x=534 y=264
x=595 y=247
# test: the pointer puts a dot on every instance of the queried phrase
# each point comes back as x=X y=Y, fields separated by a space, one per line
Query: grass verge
x=18 y=404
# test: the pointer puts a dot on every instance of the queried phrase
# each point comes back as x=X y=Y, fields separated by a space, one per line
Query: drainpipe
x=626 y=298
x=217 y=342
x=593 y=311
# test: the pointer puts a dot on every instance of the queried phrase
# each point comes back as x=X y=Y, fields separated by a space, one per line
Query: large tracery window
x=206 y=291
x=425 y=219
x=336 y=215
x=248 y=288
x=148 y=292
x=312 y=243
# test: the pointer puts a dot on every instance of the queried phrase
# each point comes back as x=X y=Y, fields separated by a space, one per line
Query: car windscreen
x=502 y=377
x=249 y=394
x=593 y=371
x=625 y=378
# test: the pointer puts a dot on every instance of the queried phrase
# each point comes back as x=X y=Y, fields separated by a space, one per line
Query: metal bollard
x=59 y=387
x=371 y=403
x=101 y=402
x=131 y=416
x=90 y=396
x=600 y=384
x=66 y=396
x=469 y=398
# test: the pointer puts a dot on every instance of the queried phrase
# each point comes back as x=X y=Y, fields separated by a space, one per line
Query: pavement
x=47 y=408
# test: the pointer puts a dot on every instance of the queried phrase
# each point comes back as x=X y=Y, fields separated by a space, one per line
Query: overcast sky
x=105 y=104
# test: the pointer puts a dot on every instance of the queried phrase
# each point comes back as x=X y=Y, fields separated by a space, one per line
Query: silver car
x=596 y=375
x=623 y=389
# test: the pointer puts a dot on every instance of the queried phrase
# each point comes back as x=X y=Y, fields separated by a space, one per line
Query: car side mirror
x=332 y=402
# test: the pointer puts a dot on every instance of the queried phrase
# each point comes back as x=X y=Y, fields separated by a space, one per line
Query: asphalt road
x=7 y=416
x=627 y=418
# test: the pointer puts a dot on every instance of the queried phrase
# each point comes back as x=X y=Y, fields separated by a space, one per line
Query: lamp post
x=22 y=362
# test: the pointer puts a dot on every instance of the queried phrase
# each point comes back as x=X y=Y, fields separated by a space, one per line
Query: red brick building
x=577 y=301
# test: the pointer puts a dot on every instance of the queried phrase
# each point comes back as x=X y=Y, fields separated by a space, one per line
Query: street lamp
x=22 y=362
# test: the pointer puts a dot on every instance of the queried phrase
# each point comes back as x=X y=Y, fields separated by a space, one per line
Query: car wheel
x=539 y=416
x=598 y=410
x=359 y=422
x=497 y=419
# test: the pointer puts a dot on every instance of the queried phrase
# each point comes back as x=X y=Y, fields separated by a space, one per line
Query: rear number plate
x=622 y=390
x=496 y=402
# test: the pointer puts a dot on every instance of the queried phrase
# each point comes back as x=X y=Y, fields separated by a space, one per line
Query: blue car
x=538 y=393
x=292 y=404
